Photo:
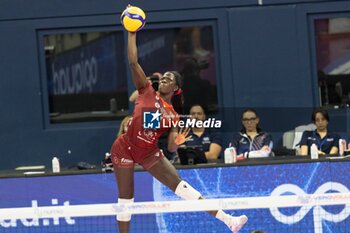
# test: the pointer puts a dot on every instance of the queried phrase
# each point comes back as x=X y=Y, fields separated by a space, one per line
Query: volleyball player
x=139 y=144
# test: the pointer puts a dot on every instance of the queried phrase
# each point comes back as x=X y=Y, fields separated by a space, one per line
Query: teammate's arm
x=214 y=151
x=138 y=75
x=303 y=145
x=334 y=150
x=303 y=150
x=133 y=96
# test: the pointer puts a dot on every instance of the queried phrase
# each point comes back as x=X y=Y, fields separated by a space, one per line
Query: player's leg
x=125 y=181
x=123 y=164
x=166 y=173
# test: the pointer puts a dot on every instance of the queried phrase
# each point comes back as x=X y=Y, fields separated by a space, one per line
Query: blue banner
x=222 y=182
x=88 y=69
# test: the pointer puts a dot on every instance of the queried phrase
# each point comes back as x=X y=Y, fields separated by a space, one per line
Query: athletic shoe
x=236 y=223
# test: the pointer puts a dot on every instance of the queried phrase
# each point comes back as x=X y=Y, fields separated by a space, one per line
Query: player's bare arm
x=138 y=75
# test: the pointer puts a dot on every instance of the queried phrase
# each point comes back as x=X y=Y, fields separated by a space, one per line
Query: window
x=333 y=60
x=86 y=76
x=87 y=73
x=189 y=50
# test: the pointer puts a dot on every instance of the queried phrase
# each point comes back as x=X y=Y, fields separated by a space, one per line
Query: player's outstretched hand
x=182 y=137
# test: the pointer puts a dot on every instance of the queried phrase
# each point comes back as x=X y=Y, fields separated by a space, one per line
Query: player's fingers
x=180 y=131
x=187 y=138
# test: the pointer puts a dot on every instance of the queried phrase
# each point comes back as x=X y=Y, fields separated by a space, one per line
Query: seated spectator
x=210 y=142
x=193 y=82
x=252 y=142
x=326 y=142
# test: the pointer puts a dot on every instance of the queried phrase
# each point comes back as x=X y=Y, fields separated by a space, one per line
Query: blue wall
x=264 y=49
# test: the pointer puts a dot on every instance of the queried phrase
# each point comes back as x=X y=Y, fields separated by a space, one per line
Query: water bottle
x=234 y=154
x=55 y=165
x=230 y=155
x=227 y=156
x=314 y=151
x=342 y=147
x=113 y=105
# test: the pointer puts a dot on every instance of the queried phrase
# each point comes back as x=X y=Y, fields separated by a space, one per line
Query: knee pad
x=124 y=217
x=186 y=191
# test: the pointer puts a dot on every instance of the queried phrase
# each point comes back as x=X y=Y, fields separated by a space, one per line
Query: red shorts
x=125 y=155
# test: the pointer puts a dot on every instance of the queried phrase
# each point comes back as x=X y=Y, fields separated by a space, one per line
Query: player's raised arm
x=138 y=75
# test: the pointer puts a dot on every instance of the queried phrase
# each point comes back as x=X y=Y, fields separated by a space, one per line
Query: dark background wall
x=266 y=59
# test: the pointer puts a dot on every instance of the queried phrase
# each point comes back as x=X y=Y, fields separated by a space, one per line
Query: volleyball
x=133 y=19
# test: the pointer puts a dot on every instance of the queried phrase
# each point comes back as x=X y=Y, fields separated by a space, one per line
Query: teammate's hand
x=181 y=136
x=266 y=149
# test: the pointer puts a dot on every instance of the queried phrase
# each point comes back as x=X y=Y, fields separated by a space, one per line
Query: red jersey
x=149 y=101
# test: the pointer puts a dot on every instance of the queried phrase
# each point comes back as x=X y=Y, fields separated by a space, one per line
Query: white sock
x=228 y=219
x=186 y=191
x=221 y=215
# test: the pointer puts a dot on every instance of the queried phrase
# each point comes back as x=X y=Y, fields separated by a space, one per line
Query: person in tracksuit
x=251 y=141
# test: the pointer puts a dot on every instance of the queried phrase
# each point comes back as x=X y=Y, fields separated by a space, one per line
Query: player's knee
x=124 y=217
x=186 y=191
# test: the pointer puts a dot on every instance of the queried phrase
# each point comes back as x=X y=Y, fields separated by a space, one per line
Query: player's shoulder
x=145 y=89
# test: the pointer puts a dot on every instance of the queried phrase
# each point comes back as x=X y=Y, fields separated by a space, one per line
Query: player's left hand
x=181 y=136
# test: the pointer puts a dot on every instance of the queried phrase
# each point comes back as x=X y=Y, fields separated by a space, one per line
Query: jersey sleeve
x=146 y=96
x=145 y=89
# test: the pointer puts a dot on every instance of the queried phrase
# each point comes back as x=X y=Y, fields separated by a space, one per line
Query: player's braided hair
x=178 y=99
